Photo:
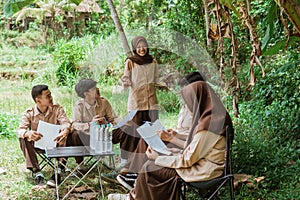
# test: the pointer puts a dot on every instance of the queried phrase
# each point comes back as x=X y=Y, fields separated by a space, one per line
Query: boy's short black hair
x=37 y=91
x=83 y=86
x=190 y=78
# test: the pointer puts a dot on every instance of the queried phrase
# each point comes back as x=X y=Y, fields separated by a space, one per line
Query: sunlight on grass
x=13 y=182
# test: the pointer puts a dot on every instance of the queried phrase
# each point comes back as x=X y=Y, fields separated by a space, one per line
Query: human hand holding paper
x=34 y=136
x=62 y=137
x=151 y=154
x=49 y=132
x=149 y=133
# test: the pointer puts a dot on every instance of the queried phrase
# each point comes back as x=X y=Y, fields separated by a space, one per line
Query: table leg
x=56 y=183
x=80 y=179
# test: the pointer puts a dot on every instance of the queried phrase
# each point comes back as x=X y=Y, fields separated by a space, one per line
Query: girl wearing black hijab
x=140 y=76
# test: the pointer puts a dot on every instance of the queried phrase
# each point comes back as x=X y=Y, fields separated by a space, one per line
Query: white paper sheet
x=127 y=118
x=49 y=132
x=148 y=131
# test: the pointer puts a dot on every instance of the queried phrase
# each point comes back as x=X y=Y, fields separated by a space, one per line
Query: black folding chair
x=209 y=189
x=44 y=160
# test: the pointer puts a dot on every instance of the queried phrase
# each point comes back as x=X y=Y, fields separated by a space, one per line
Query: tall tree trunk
x=292 y=10
x=118 y=25
x=207 y=23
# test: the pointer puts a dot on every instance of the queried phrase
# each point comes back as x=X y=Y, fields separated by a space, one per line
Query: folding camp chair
x=44 y=160
x=209 y=189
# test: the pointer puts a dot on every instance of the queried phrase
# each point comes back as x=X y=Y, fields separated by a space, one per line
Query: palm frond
x=12 y=6
x=36 y=13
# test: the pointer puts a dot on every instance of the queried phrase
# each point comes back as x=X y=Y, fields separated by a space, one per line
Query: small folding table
x=84 y=151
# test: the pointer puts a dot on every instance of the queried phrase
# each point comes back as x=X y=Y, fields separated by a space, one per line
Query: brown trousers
x=131 y=139
x=29 y=152
x=155 y=182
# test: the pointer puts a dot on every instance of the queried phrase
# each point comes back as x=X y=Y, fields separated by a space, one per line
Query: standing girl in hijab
x=203 y=157
x=140 y=76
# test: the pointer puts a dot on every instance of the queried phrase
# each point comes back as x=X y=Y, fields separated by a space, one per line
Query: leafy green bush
x=67 y=55
x=267 y=132
x=168 y=101
x=279 y=96
x=8 y=125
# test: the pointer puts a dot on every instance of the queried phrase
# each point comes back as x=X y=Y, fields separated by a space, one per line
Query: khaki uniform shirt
x=143 y=78
x=31 y=117
x=83 y=113
x=184 y=122
x=202 y=160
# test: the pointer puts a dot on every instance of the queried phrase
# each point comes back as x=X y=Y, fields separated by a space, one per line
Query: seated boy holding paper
x=91 y=108
x=46 y=111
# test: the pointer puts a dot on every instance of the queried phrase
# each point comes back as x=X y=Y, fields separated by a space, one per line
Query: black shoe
x=39 y=180
x=51 y=182
x=126 y=182
x=131 y=175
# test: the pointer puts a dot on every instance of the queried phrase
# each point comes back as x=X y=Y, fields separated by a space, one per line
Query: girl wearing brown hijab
x=140 y=76
x=203 y=157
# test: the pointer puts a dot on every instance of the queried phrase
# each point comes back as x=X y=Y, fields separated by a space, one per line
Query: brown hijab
x=141 y=60
x=208 y=111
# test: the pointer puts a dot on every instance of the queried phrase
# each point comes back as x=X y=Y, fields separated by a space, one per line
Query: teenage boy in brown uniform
x=44 y=110
x=91 y=108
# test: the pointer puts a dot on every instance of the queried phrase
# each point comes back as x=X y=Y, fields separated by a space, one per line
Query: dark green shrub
x=279 y=96
x=168 y=101
x=267 y=132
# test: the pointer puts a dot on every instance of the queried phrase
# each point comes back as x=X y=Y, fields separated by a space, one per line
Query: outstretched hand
x=99 y=120
x=126 y=82
x=168 y=135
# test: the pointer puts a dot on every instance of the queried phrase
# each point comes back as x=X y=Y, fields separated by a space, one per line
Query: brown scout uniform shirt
x=31 y=117
x=202 y=160
x=83 y=113
x=143 y=78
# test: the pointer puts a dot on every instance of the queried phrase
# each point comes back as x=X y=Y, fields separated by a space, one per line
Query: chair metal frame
x=44 y=161
x=208 y=189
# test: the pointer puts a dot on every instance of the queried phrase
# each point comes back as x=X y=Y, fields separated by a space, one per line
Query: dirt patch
x=18 y=75
x=7 y=63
